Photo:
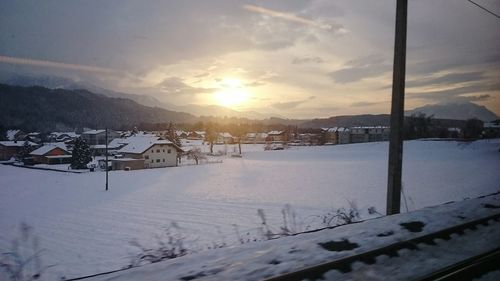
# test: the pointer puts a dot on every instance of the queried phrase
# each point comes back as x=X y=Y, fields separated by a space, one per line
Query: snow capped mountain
x=457 y=111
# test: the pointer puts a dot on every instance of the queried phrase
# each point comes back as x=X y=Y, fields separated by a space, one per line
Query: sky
x=293 y=58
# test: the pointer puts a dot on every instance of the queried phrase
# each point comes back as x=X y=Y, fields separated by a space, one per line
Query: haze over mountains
x=63 y=103
x=55 y=82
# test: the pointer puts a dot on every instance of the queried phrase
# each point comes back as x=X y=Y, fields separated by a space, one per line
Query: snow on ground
x=256 y=261
x=86 y=230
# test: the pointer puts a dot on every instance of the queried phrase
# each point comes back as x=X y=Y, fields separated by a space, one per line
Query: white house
x=224 y=138
x=147 y=152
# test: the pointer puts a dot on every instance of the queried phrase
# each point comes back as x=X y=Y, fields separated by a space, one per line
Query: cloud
x=365 y=103
x=444 y=80
x=201 y=75
x=255 y=84
x=447 y=79
x=291 y=104
x=478 y=98
x=53 y=64
x=361 y=68
x=175 y=85
x=304 y=60
x=463 y=93
x=294 y=18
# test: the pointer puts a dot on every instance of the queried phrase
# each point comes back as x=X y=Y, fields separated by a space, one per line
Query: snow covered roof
x=225 y=135
x=180 y=132
x=11 y=134
x=330 y=130
x=16 y=143
x=48 y=147
x=275 y=133
x=69 y=134
x=140 y=144
x=93 y=132
x=119 y=142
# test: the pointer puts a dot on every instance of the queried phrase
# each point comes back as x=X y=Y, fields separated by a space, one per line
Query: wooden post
x=397 y=111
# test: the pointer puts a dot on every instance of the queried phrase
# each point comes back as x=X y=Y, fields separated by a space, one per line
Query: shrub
x=22 y=261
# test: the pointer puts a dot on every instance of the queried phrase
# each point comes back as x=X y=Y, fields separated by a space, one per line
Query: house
x=146 y=152
x=369 y=134
x=276 y=136
x=9 y=149
x=63 y=136
x=255 y=138
x=51 y=153
x=119 y=143
x=94 y=137
x=343 y=135
x=491 y=129
x=196 y=135
x=454 y=132
x=331 y=135
x=336 y=135
x=224 y=138
x=15 y=135
x=359 y=134
x=379 y=133
x=308 y=139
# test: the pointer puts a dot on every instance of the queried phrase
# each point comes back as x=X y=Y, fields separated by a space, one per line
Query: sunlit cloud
x=52 y=64
x=293 y=18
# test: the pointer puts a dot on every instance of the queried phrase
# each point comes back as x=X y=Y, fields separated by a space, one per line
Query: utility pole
x=107 y=168
x=397 y=111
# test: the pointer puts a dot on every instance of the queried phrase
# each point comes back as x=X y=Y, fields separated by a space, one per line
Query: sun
x=231 y=93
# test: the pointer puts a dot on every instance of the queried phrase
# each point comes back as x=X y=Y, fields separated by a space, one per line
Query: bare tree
x=195 y=154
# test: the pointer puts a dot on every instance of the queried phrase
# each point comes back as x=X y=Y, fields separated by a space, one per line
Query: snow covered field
x=85 y=230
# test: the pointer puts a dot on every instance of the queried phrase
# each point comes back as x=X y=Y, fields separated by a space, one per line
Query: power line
x=484 y=8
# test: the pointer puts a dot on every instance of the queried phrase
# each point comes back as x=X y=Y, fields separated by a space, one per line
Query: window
x=146 y=157
x=152 y=151
x=164 y=150
x=163 y=159
x=152 y=161
x=170 y=150
x=157 y=160
x=157 y=151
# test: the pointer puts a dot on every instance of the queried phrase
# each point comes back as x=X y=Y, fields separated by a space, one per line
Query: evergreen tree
x=81 y=154
x=25 y=151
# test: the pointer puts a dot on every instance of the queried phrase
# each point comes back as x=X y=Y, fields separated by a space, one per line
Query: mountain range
x=56 y=103
x=56 y=82
x=41 y=109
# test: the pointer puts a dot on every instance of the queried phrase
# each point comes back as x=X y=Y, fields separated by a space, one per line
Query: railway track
x=465 y=269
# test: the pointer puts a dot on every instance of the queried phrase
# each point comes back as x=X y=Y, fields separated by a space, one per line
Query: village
x=133 y=150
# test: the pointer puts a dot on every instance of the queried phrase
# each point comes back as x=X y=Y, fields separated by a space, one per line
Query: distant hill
x=42 y=109
x=457 y=111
